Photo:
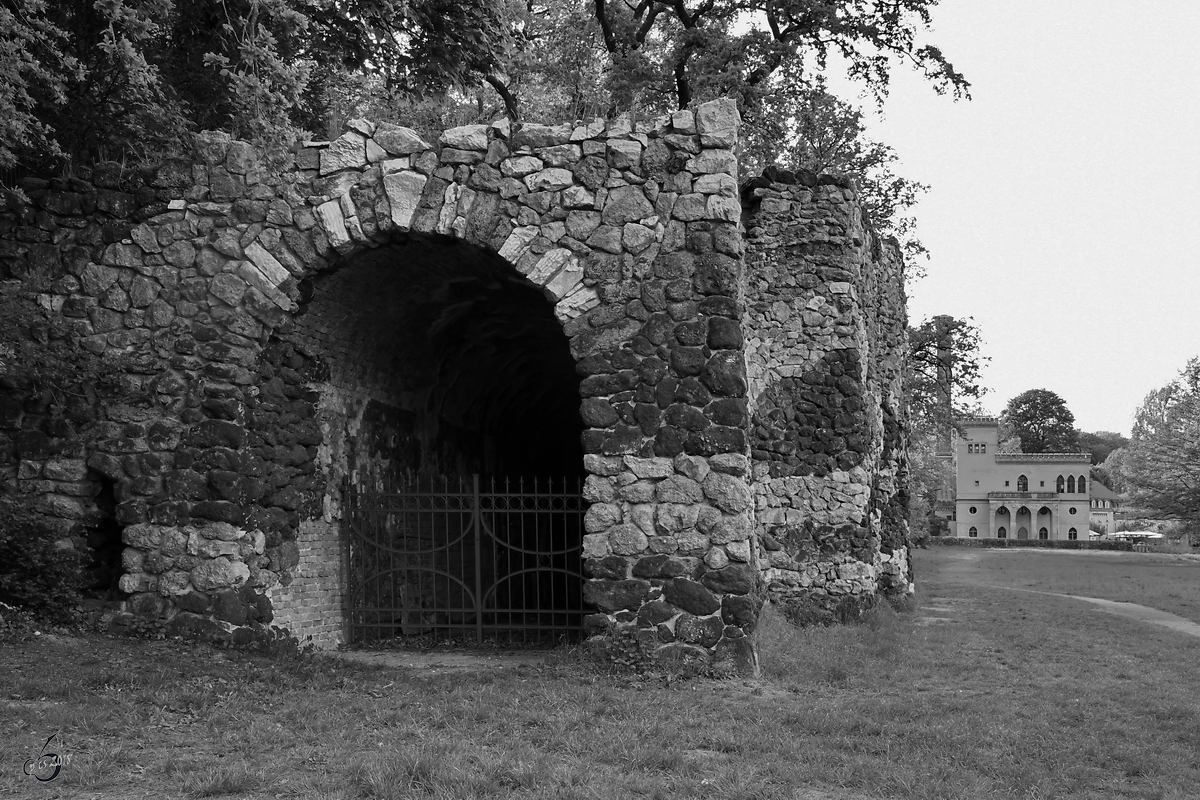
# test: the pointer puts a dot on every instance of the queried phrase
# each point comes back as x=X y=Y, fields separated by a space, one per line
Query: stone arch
x=630 y=230
x=442 y=359
x=187 y=281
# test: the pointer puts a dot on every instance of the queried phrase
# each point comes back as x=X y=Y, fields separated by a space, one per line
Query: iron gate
x=453 y=558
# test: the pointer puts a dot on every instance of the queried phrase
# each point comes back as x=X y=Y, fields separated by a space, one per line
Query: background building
x=1018 y=495
x=1105 y=506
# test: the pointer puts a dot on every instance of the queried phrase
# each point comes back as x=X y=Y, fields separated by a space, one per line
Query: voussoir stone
x=403 y=191
x=348 y=151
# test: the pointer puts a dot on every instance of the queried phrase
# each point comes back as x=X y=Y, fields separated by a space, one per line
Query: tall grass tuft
x=832 y=656
x=219 y=781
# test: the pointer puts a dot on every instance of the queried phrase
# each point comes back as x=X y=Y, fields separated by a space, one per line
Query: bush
x=1046 y=544
x=36 y=572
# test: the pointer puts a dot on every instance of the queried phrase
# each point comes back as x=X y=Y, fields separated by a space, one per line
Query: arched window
x=1022 y=484
x=1043 y=533
x=1001 y=533
x=1072 y=534
x=1082 y=485
x=974 y=532
x=1071 y=485
x=1060 y=485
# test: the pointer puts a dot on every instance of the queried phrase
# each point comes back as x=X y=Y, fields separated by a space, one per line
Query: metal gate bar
x=449 y=558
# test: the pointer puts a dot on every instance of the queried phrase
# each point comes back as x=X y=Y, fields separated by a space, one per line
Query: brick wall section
x=310 y=606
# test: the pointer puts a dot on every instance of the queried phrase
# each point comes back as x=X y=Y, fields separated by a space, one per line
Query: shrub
x=36 y=572
x=1044 y=544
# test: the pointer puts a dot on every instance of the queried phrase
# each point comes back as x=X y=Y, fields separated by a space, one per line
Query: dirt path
x=433 y=662
x=1139 y=613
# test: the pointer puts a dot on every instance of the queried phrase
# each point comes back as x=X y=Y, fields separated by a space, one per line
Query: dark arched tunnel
x=445 y=363
x=452 y=334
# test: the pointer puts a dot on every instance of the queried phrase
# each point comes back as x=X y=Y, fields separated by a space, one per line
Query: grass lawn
x=1164 y=581
x=983 y=693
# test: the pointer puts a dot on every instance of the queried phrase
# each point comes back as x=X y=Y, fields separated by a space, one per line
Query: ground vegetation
x=942 y=702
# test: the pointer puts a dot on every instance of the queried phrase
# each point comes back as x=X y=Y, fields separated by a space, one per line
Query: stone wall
x=825 y=325
x=282 y=330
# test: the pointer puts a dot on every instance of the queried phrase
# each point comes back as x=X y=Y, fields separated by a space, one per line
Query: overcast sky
x=1065 y=195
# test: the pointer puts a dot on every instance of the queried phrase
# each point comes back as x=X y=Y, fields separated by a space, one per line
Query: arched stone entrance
x=442 y=360
x=738 y=388
x=451 y=416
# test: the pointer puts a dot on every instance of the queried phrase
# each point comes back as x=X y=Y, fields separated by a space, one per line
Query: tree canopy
x=126 y=80
x=91 y=80
x=943 y=372
x=1100 y=444
x=1160 y=467
x=1043 y=423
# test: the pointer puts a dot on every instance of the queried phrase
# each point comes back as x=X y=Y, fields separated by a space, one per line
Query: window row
x=1071 y=484
x=1002 y=533
x=1068 y=485
x=977 y=448
x=1004 y=510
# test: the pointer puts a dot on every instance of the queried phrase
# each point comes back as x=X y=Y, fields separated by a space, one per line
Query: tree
x=942 y=375
x=941 y=381
x=83 y=81
x=1100 y=444
x=669 y=53
x=34 y=65
x=581 y=58
x=804 y=127
x=1160 y=467
x=1042 y=421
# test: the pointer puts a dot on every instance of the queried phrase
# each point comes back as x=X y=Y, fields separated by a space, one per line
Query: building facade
x=1106 y=505
x=1018 y=495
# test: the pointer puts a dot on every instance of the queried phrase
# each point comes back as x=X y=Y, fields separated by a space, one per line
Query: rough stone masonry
x=737 y=355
